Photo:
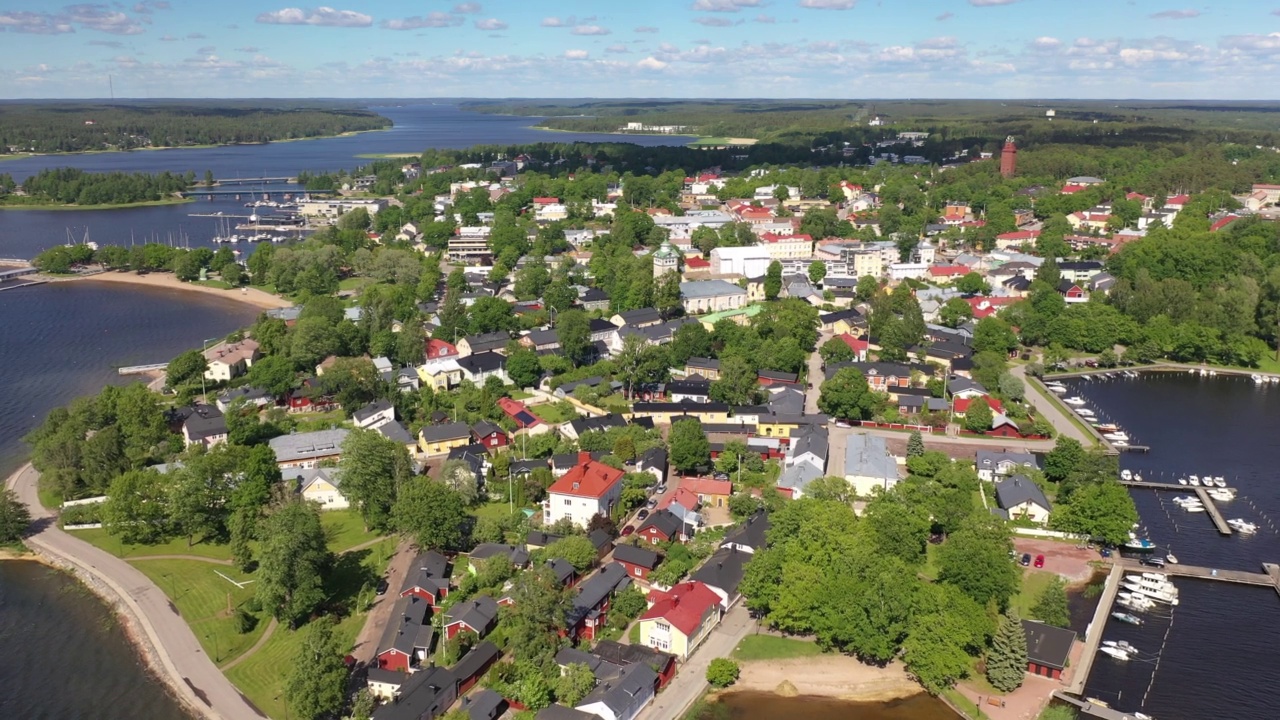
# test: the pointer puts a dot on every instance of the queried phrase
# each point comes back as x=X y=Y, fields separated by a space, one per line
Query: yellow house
x=665 y=412
x=320 y=486
x=440 y=374
x=678 y=620
x=440 y=439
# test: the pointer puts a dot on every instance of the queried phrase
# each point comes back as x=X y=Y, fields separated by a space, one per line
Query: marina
x=1210 y=507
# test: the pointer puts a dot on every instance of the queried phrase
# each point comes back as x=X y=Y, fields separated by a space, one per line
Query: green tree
x=273 y=374
x=867 y=288
x=978 y=417
x=577 y=549
x=955 y=312
x=523 y=368
x=458 y=476
x=973 y=284
x=317 y=680
x=574 y=330
x=136 y=508
x=666 y=294
x=737 y=384
x=373 y=468
x=817 y=271
x=431 y=513
x=722 y=672
x=848 y=396
x=14 y=517
x=977 y=560
x=934 y=651
x=575 y=682
x=1100 y=509
x=691 y=340
x=1052 y=607
x=295 y=559
x=689 y=445
x=991 y=334
x=538 y=616
x=1007 y=660
x=1063 y=459
x=835 y=351
x=773 y=281
x=186 y=368
x=915 y=444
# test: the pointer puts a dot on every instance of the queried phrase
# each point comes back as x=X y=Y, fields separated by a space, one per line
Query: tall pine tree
x=1007 y=661
x=1052 y=607
x=915 y=444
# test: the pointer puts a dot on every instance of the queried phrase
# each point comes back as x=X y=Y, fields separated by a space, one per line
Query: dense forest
x=71 y=186
x=65 y=127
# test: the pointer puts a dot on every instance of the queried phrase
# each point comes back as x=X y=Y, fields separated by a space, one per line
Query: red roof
x=1178 y=200
x=545 y=200
x=440 y=348
x=962 y=404
x=857 y=345
x=697 y=263
x=682 y=495
x=517 y=411
x=1136 y=196
x=587 y=479
x=953 y=217
x=707 y=486
x=684 y=606
x=1019 y=235
x=759 y=212
x=974 y=224
x=775 y=237
x=984 y=306
x=1223 y=222
x=948 y=270
x=1073 y=189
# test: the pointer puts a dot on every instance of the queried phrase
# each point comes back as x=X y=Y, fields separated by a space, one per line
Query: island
x=75 y=189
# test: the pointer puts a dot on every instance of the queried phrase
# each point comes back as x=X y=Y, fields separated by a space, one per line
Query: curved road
x=190 y=672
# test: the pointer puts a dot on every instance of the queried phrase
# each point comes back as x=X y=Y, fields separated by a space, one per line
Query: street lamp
x=203 y=347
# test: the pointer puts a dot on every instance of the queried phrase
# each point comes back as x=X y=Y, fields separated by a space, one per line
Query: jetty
x=1269 y=577
x=1088 y=708
x=142 y=369
x=1211 y=509
x=1093 y=635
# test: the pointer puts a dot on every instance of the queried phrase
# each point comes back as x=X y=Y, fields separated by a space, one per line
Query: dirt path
x=271 y=628
x=196 y=558
x=838 y=676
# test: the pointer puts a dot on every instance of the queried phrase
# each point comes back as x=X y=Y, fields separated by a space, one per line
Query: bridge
x=255 y=181
x=17 y=273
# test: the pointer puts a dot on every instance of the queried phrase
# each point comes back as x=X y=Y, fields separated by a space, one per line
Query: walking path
x=165 y=638
x=195 y=558
x=691 y=680
x=1050 y=410
x=380 y=613
x=271 y=628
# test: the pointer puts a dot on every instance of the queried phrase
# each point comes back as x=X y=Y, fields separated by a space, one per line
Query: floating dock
x=1269 y=577
x=1210 y=507
x=142 y=369
x=1088 y=708
x=1093 y=636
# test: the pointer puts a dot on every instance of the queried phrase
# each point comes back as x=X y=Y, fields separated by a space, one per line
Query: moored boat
x=1075 y=400
x=1140 y=544
x=1114 y=652
x=1126 y=475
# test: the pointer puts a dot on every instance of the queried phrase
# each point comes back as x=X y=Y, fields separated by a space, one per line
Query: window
x=568 y=501
x=637 y=571
x=663 y=627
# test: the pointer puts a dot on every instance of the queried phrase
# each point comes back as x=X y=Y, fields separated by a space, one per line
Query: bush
x=245 y=621
x=723 y=672
x=81 y=514
x=253 y=605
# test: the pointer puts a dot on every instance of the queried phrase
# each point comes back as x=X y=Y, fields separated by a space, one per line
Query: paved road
x=1050 y=410
x=189 y=671
x=380 y=614
x=691 y=680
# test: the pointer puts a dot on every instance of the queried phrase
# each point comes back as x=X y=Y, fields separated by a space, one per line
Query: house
x=590 y=607
x=749 y=536
x=644 y=317
x=591 y=488
x=517 y=411
x=489 y=435
x=747 y=261
x=230 y=360
x=654 y=462
x=477 y=615
x=859 y=346
x=439 y=349
x=992 y=465
x=842 y=322
x=249 y=395
x=306 y=450
x=318 y=485
x=637 y=561
x=563 y=570
x=709 y=492
x=424 y=695
x=517 y=554
x=881 y=376
x=374 y=414
x=679 y=619
x=407 y=637
x=396 y=433
x=1048 y=648
x=700 y=297
x=427 y=578
x=615 y=654
x=576 y=429
x=1022 y=499
x=485 y=704
x=809 y=444
x=868 y=464
x=961 y=405
x=667 y=413
x=204 y=425
x=697 y=389
x=962 y=387
x=793 y=481
x=473 y=344
x=1002 y=426
x=440 y=374
x=769 y=378
x=682 y=503
x=479 y=367
x=473 y=665
x=722 y=573
x=537 y=539
x=440 y=439
x=663 y=526
x=623 y=695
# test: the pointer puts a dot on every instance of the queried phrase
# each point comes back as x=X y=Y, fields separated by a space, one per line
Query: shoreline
x=122 y=206
x=829 y=675
x=249 y=295
x=22 y=156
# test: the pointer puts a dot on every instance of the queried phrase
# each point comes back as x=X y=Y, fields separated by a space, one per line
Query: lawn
x=555 y=413
x=494 y=510
x=345 y=529
x=203 y=598
x=261 y=677
x=520 y=395
x=772 y=647
x=320 y=421
x=353 y=283
x=178 y=546
x=1033 y=584
x=930 y=569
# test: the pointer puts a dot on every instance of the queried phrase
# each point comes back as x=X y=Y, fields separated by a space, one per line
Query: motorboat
x=1076 y=401
x=1137 y=477
x=1120 y=644
x=1125 y=617
x=1114 y=652
x=1117 y=435
x=1119 y=443
x=1182 y=481
x=1220 y=481
x=1221 y=495
x=1126 y=475
x=1194 y=480
x=1257 y=378
x=1084 y=412
x=1193 y=507
x=1059 y=389
x=1242 y=526
x=1162 y=591
x=1171 y=559
x=1140 y=544
x=1107 y=427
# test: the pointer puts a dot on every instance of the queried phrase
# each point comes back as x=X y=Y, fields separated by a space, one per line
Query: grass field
x=1033 y=584
x=178 y=546
x=555 y=413
x=353 y=283
x=344 y=529
x=771 y=647
x=202 y=597
x=261 y=677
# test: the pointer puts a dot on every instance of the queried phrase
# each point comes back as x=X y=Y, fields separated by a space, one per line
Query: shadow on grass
x=349 y=577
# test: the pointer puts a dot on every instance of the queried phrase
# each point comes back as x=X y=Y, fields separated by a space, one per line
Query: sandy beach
x=837 y=676
x=248 y=295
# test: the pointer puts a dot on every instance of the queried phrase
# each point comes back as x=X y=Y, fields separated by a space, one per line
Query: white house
x=992 y=466
x=748 y=261
x=1021 y=499
x=374 y=415
x=229 y=360
x=590 y=488
x=868 y=464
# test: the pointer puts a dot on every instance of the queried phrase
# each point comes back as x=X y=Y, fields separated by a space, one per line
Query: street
x=691 y=680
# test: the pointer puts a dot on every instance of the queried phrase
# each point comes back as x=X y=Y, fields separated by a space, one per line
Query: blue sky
x=1229 y=49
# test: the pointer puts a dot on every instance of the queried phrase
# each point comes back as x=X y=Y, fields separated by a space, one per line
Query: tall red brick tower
x=1009 y=158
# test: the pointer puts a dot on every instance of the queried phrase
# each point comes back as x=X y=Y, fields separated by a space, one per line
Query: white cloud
x=321 y=16
x=554 y=22
x=468 y=8
x=1175 y=15
x=715 y=21
x=1046 y=43
x=651 y=63
x=591 y=30
x=765 y=19
x=431 y=20
x=146 y=7
x=576 y=54
x=618 y=48
x=723 y=5
x=646 y=29
x=828 y=4
x=490 y=24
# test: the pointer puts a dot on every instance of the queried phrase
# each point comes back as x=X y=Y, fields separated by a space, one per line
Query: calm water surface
x=1214 y=654
x=767 y=706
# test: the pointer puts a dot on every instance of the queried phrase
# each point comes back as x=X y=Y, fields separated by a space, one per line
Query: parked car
x=662 y=488
x=382 y=586
x=721 y=476
x=653 y=502
x=627 y=530
x=642 y=514
x=1039 y=561
x=1026 y=559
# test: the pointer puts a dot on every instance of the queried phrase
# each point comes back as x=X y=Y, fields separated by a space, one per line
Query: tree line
x=72 y=186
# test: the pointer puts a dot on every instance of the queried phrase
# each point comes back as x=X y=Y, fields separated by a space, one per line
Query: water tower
x=1009 y=158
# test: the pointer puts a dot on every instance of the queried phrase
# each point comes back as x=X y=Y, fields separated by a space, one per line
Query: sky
x=1156 y=49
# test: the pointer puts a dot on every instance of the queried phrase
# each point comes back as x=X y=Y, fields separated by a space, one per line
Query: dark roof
x=598 y=325
x=484 y=705
x=370 y=410
x=883 y=369
x=701 y=386
x=600 y=538
x=1048 y=645
x=429 y=571
x=560 y=712
x=582 y=425
x=428 y=694
x=395 y=432
x=484 y=428
x=520 y=467
x=847 y=314
x=664 y=521
x=473 y=455
x=1019 y=489
x=653 y=458
x=750 y=533
x=540 y=538
x=641 y=316
x=445 y=431
x=408 y=627
x=685 y=406
x=204 y=421
x=636 y=556
x=572 y=385
x=1079 y=265
x=592 y=592
x=475 y=662
x=776 y=375
x=477 y=613
x=563 y=570
x=482 y=362
x=594 y=295
x=487 y=341
x=702 y=363
x=618 y=691
x=515 y=553
x=615 y=652
x=574 y=656
x=724 y=570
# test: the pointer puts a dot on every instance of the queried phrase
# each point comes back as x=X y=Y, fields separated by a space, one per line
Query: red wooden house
x=474 y=664
x=489 y=435
x=308 y=398
x=428 y=579
x=590 y=609
x=637 y=561
x=477 y=615
x=406 y=638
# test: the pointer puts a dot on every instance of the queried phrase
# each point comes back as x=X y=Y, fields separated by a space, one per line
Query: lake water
x=1212 y=656
x=767 y=706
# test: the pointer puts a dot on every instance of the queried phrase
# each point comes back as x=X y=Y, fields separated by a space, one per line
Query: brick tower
x=1009 y=158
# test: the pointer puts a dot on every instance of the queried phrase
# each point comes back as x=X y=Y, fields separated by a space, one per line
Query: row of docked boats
x=1152 y=586
x=1110 y=431
x=1264 y=379
x=1206 y=481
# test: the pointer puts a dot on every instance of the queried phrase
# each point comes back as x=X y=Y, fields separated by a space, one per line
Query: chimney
x=583 y=457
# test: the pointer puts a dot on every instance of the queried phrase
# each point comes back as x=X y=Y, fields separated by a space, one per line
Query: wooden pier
x=1088 y=708
x=1209 y=506
x=1269 y=577
x=142 y=369
x=1093 y=635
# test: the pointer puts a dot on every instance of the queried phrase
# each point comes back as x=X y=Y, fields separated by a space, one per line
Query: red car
x=627 y=530
x=1039 y=561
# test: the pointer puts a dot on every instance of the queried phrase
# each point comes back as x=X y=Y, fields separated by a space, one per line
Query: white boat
x=1182 y=481
x=1171 y=559
x=1257 y=378
x=1119 y=443
x=1107 y=427
x=1162 y=591
x=1056 y=388
x=1221 y=495
x=1116 y=653
x=1194 y=481
x=1084 y=412
x=1193 y=508
x=1242 y=526
x=1117 y=435
x=1120 y=645
x=1220 y=481
x=1126 y=475
x=1077 y=400
x=1137 y=477
x=1140 y=544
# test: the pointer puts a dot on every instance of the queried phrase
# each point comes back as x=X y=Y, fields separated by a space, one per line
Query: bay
x=1210 y=655
x=767 y=706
